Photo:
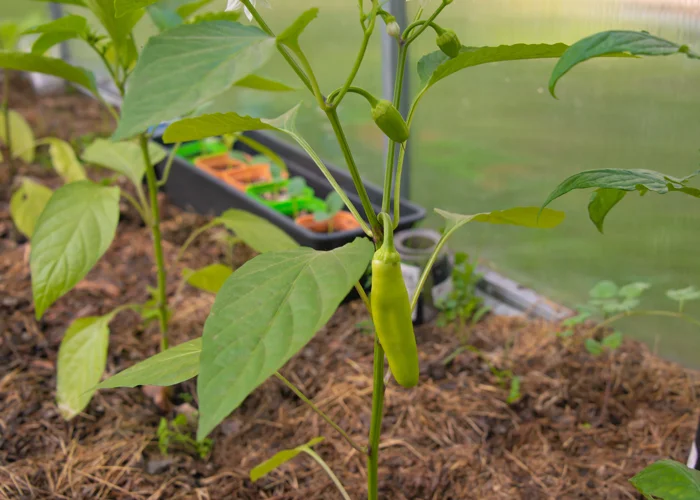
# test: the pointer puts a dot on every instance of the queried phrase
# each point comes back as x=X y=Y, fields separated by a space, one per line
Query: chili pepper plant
x=665 y=479
x=71 y=228
x=269 y=308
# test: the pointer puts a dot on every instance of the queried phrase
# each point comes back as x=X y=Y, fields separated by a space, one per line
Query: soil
x=452 y=437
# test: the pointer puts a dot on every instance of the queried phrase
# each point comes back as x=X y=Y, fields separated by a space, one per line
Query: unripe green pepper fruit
x=389 y=120
x=391 y=310
x=449 y=43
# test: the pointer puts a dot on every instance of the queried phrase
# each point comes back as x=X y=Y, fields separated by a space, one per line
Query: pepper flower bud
x=449 y=43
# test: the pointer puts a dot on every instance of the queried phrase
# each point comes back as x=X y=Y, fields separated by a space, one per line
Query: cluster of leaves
x=175 y=433
x=462 y=304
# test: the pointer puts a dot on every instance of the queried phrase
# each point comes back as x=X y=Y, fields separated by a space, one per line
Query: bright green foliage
x=520 y=216
x=164 y=18
x=82 y=358
x=123 y=7
x=606 y=298
x=198 y=61
x=49 y=66
x=186 y=10
x=119 y=28
x=169 y=367
x=280 y=458
x=602 y=201
x=290 y=36
x=668 y=480
x=266 y=311
x=462 y=303
x=214 y=124
x=615 y=43
x=21 y=135
x=210 y=278
x=26 y=205
x=683 y=295
x=64 y=161
x=261 y=83
x=332 y=205
x=124 y=157
x=72 y=233
x=256 y=232
x=175 y=434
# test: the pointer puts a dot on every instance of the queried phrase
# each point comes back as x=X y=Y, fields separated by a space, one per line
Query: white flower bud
x=393 y=29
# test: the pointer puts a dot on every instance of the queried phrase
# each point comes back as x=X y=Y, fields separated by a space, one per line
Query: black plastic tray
x=191 y=188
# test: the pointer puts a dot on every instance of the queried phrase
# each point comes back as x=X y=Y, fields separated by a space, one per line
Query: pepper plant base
x=457 y=426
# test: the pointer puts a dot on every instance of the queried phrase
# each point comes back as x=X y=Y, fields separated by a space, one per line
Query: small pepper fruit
x=390 y=121
x=449 y=43
x=391 y=310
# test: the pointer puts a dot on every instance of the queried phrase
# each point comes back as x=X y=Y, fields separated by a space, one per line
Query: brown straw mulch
x=452 y=437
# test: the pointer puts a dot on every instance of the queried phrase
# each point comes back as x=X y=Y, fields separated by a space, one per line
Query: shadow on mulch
x=452 y=437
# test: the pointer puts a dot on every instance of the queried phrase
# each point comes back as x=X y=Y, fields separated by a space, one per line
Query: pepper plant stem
x=157 y=243
x=375 y=428
x=315 y=408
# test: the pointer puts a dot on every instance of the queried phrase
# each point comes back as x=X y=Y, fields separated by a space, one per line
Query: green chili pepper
x=449 y=43
x=390 y=121
x=391 y=310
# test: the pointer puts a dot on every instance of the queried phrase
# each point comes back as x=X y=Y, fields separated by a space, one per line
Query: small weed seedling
x=175 y=434
x=332 y=205
x=462 y=305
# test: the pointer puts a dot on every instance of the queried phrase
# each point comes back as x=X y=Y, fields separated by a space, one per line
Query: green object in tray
x=190 y=150
x=302 y=202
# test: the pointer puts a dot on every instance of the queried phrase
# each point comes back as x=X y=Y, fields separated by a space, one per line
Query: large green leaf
x=602 y=201
x=616 y=180
x=635 y=43
x=186 y=10
x=119 y=28
x=519 y=216
x=668 y=480
x=209 y=278
x=123 y=157
x=70 y=23
x=73 y=232
x=65 y=162
x=21 y=136
x=280 y=458
x=266 y=311
x=26 y=205
x=48 y=40
x=214 y=124
x=261 y=83
x=164 y=18
x=435 y=66
x=169 y=367
x=213 y=16
x=82 y=359
x=290 y=36
x=123 y=7
x=185 y=67
x=48 y=65
x=259 y=234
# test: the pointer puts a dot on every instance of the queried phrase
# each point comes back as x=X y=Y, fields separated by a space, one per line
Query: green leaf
x=593 y=347
x=9 y=35
x=604 y=289
x=633 y=290
x=49 y=66
x=615 y=43
x=280 y=458
x=82 y=359
x=514 y=393
x=123 y=157
x=26 y=205
x=266 y=311
x=166 y=368
x=259 y=234
x=119 y=28
x=48 y=40
x=21 y=135
x=261 y=83
x=668 y=480
x=187 y=66
x=621 y=179
x=290 y=36
x=214 y=16
x=434 y=67
x=519 y=216
x=684 y=294
x=164 y=18
x=214 y=124
x=72 y=233
x=124 y=7
x=80 y=3
x=613 y=341
x=602 y=201
x=576 y=320
x=334 y=203
x=65 y=162
x=210 y=278
x=186 y=10
x=71 y=23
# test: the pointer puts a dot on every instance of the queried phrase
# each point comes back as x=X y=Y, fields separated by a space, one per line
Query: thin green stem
x=429 y=22
x=672 y=314
x=194 y=235
x=429 y=265
x=283 y=50
x=8 y=129
x=138 y=206
x=416 y=24
x=363 y=295
x=315 y=88
x=397 y=188
x=375 y=428
x=328 y=470
x=168 y=165
x=157 y=243
x=320 y=412
x=358 y=60
x=354 y=172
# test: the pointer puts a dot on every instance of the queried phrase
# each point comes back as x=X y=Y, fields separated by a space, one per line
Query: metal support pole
x=390 y=52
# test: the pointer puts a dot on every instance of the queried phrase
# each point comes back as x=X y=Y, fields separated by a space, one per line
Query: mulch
x=452 y=437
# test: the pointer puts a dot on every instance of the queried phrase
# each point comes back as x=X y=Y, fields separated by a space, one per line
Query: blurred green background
x=492 y=137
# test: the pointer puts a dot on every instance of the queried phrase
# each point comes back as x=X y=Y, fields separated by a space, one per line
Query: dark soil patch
x=452 y=437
